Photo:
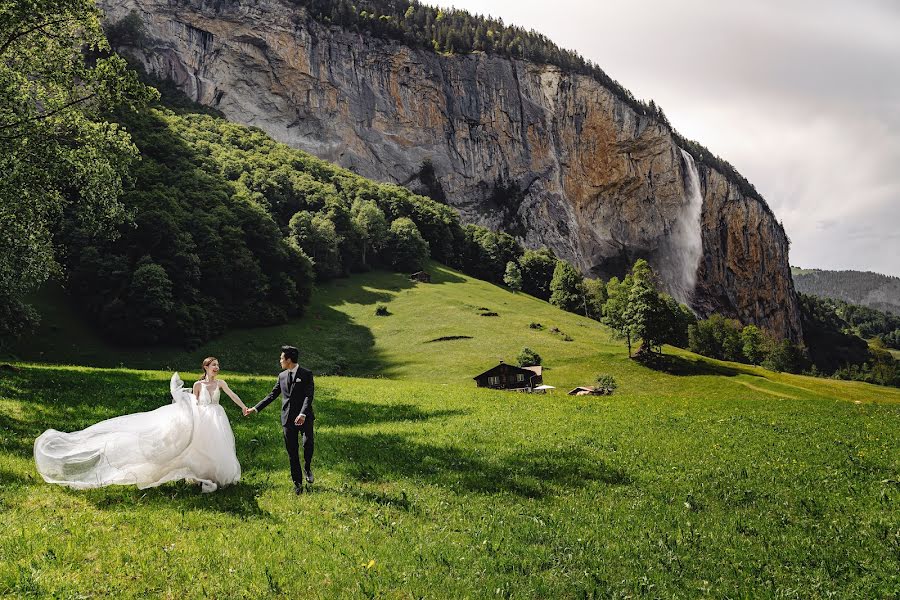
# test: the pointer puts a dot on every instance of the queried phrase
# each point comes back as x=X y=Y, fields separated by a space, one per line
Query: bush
x=534 y=325
x=381 y=311
x=528 y=357
x=606 y=384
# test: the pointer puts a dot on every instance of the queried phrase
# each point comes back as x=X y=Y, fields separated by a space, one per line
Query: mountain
x=881 y=292
x=554 y=157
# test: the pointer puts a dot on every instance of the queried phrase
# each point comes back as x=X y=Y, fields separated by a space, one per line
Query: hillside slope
x=874 y=290
x=705 y=475
x=341 y=334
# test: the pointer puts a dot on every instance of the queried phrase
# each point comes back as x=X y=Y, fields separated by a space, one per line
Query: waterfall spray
x=684 y=245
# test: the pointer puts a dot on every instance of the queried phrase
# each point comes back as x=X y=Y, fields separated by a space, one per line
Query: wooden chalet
x=510 y=377
x=421 y=277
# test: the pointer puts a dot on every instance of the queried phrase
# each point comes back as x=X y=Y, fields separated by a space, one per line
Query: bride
x=188 y=439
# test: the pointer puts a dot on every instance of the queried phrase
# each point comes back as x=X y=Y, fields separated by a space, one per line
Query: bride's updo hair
x=206 y=362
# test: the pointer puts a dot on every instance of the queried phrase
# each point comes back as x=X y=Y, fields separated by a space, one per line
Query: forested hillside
x=881 y=292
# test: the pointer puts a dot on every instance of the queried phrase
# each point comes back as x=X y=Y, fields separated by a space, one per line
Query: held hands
x=249 y=411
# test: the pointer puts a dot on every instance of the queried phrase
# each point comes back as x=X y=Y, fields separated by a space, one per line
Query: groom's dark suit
x=296 y=399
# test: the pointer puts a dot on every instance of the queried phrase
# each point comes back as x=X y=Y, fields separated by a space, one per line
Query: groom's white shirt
x=293 y=373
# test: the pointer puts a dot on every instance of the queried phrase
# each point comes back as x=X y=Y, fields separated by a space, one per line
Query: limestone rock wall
x=582 y=172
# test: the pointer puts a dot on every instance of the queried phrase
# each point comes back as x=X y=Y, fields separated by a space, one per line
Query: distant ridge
x=881 y=292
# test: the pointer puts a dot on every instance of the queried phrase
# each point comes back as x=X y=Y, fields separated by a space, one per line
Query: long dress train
x=190 y=438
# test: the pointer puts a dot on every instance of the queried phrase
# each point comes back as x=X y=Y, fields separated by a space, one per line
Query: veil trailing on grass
x=143 y=449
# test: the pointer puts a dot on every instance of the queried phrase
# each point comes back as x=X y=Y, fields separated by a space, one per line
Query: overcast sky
x=801 y=96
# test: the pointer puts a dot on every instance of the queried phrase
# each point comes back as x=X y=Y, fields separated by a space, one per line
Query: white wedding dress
x=188 y=439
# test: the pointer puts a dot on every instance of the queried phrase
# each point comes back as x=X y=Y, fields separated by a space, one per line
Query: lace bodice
x=206 y=397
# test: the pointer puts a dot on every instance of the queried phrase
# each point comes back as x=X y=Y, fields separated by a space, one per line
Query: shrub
x=528 y=357
x=606 y=384
x=381 y=311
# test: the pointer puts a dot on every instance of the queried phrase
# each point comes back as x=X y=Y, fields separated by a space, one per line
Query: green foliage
x=717 y=337
x=225 y=256
x=316 y=236
x=486 y=253
x=882 y=369
x=785 y=357
x=868 y=322
x=59 y=155
x=606 y=384
x=826 y=336
x=677 y=318
x=617 y=294
x=407 y=248
x=566 y=287
x=645 y=315
x=754 y=344
x=513 y=276
x=150 y=301
x=372 y=227
x=537 y=271
x=128 y=31
x=528 y=357
x=595 y=297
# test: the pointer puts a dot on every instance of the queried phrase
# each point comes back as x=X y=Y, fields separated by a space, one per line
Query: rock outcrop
x=553 y=158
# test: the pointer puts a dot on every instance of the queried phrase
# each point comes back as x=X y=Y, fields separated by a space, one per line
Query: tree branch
x=49 y=114
x=16 y=36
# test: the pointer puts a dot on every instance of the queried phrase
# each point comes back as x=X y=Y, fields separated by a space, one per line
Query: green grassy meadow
x=699 y=479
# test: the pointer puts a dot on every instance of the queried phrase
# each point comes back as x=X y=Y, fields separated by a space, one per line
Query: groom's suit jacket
x=296 y=399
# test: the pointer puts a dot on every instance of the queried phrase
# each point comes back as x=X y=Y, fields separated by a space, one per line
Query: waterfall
x=684 y=245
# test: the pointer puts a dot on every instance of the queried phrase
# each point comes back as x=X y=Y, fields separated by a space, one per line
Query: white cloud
x=803 y=97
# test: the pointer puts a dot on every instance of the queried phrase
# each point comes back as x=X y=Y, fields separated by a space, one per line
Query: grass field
x=700 y=479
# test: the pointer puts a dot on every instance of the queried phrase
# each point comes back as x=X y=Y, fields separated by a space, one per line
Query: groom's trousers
x=292 y=435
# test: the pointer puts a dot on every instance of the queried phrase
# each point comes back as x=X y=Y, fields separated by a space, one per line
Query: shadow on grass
x=680 y=366
x=58 y=401
x=378 y=457
x=442 y=274
x=240 y=499
x=349 y=413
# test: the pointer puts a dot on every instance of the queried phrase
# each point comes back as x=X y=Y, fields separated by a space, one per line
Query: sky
x=801 y=96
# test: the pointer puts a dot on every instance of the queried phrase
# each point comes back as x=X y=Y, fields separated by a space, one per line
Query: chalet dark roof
x=528 y=370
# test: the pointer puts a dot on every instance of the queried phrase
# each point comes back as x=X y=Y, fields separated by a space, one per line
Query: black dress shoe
x=309 y=477
x=298 y=488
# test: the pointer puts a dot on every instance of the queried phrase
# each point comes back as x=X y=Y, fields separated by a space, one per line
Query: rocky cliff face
x=551 y=157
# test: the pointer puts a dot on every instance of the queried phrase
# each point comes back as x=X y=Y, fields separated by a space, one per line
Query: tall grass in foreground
x=691 y=485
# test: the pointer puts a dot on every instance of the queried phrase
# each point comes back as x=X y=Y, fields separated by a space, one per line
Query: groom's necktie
x=290 y=380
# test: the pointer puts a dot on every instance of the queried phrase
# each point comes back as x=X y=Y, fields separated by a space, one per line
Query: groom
x=295 y=384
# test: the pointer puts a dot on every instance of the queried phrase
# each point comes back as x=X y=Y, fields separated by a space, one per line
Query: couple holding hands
x=190 y=438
